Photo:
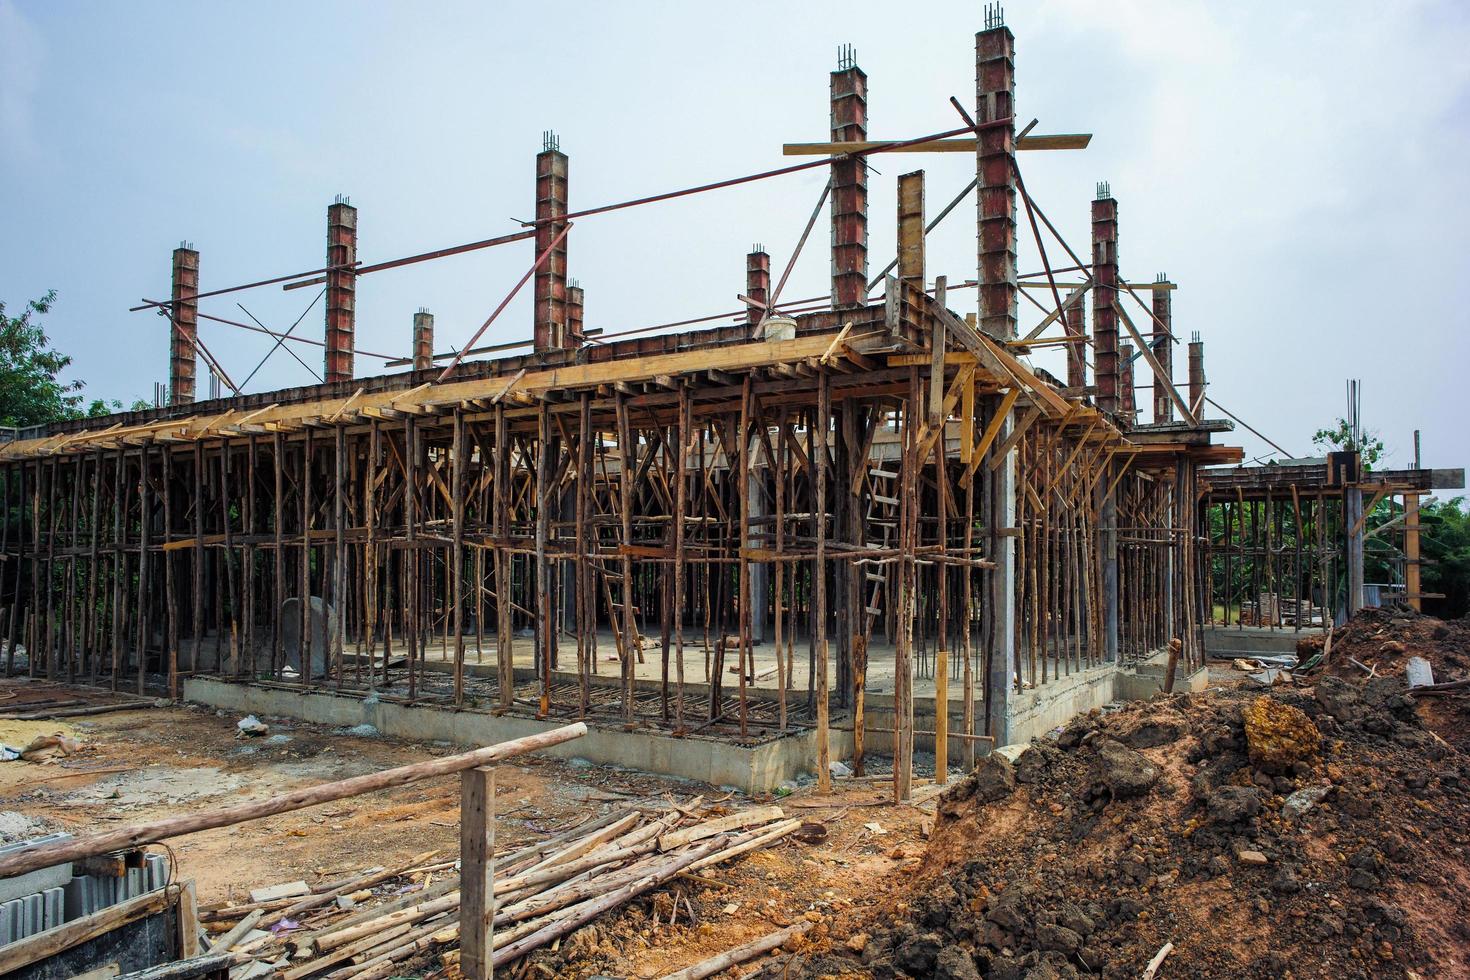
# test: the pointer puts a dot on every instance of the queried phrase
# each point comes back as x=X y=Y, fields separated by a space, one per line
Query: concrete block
x=323 y=631
x=54 y=913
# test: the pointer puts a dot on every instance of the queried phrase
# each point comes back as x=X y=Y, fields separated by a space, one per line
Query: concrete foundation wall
x=753 y=769
x=1035 y=712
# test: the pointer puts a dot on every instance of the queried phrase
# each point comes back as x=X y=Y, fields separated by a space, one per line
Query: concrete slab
x=757 y=768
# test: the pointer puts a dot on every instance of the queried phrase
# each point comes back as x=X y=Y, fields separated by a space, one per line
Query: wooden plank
x=730 y=357
x=34 y=949
x=477 y=872
x=188 y=912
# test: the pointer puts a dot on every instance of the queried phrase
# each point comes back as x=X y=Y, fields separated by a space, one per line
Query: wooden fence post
x=476 y=872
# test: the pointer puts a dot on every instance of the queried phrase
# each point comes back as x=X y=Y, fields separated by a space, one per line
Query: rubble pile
x=1378 y=642
x=1311 y=832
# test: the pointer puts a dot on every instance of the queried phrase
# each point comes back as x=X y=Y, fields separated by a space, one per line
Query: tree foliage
x=1444 y=543
x=31 y=390
x=1340 y=438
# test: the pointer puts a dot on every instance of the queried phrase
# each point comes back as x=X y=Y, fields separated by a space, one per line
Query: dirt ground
x=147 y=764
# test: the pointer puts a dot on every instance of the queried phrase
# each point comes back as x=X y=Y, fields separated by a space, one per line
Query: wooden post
x=1411 y=551
x=627 y=459
x=740 y=469
x=278 y=640
x=196 y=563
x=545 y=619
x=145 y=510
x=477 y=872
x=305 y=637
x=681 y=505
x=168 y=573
x=819 y=463
x=457 y=477
x=504 y=651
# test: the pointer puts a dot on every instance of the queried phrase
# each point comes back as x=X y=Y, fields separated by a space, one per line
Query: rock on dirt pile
x=1297 y=833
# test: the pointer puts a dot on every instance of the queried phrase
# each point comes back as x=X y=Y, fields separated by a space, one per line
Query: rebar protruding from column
x=1163 y=346
x=341 y=290
x=995 y=95
x=849 y=186
x=1196 y=374
x=423 y=340
x=183 y=325
x=550 y=307
x=1105 y=367
x=757 y=284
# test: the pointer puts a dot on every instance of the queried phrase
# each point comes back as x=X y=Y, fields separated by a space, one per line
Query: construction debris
x=543 y=893
x=1297 y=833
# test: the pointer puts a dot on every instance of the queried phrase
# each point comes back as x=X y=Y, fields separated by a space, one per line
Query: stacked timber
x=542 y=893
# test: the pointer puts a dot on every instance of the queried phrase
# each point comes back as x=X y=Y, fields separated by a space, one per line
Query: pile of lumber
x=542 y=893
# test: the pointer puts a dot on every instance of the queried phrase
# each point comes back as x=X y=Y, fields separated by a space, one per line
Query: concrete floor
x=697 y=663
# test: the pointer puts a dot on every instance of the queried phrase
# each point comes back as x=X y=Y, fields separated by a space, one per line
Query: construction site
x=828 y=636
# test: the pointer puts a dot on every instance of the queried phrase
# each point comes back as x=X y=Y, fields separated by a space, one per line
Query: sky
x=1298 y=170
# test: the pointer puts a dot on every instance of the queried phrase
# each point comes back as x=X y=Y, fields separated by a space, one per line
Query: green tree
x=1340 y=438
x=31 y=391
x=1444 y=543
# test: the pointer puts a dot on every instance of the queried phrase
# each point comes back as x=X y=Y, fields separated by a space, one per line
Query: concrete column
x=757 y=284
x=995 y=91
x=1197 y=375
x=423 y=340
x=760 y=573
x=184 y=325
x=1104 y=298
x=341 y=290
x=576 y=329
x=849 y=186
x=1108 y=558
x=996 y=221
x=1074 y=322
x=1127 y=402
x=550 y=310
x=1163 y=346
x=1352 y=521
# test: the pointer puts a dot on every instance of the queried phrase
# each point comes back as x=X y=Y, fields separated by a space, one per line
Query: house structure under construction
x=816 y=531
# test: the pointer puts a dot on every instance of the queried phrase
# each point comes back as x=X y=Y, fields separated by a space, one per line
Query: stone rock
x=916 y=956
x=1123 y=771
x=1278 y=735
x=1059 y=938
x=1298 y=803
x=995 y=779
x=1252 y=857
x=954 y=963
x=1154 y=732
x=1006 y=912
x=1031 y=765
x=1232 y=804
x=857 y=942
x=1340 y=700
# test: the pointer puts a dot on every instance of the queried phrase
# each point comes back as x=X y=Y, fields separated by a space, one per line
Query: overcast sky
x=1299 y=170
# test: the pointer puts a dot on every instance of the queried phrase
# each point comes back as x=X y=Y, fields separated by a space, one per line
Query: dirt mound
x=1298 y=833
x=1383 y=639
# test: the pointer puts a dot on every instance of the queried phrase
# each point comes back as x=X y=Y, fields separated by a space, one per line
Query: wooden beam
x=1059 y=141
